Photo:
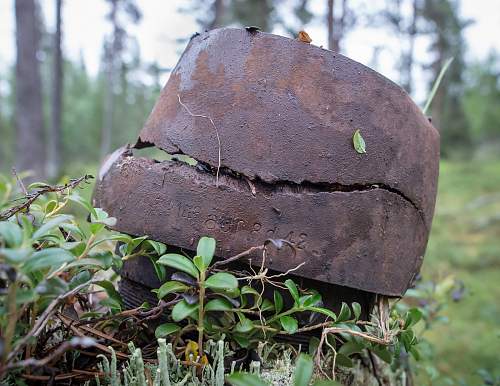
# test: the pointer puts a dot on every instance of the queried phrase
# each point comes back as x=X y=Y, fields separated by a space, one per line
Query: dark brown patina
x=281 y=114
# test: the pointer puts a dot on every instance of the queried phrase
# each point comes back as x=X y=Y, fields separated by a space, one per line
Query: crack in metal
x=258 y=185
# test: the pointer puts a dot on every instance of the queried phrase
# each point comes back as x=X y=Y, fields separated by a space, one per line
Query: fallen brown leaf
x=304 y=37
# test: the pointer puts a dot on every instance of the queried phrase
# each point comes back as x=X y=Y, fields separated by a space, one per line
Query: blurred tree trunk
x=115 y=67
x=329 y=22
x=54 y=149
x=30 y=150
x=336 y=26
x=110 y=53
x=252 y=13
x=445 y=27
x=218 y=11
x=408 y=58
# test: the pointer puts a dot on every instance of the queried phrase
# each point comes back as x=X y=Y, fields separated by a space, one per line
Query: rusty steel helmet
x=270 y=121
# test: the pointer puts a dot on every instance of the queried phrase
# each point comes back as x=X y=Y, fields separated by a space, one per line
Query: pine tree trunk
x=339 y=34
x=109 y=98
x=408 y=61
x=329 y=22
x=218 y=9
x=336 y=26
x=30 y=151
x=54 y=149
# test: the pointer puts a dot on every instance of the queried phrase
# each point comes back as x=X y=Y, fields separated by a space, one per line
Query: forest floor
x=465 y=243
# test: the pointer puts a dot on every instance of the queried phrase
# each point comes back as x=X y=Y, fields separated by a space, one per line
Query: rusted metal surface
x=368 y=239
x=285 y=113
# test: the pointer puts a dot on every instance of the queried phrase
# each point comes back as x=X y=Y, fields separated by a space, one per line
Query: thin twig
x=19 y=181
x=31 y=197
x=436 y=84
x=75 y=342
x=237 y=257
x=43 y=319
x=216 y=133
x=287 y=272
x=374 y=366
x=386 y=340
x=100 y=346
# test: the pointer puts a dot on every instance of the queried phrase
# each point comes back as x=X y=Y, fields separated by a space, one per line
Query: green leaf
x=199 y=263
x=230 y=293
x=50 y=206
x=174 y=260
x=15 y=256
x=266 y=305
x=118 y=237
x=303 y=370
x=222 y=280
x=382 y=353
x=206 y=249
x=247 y=290
x=278 y=302
x=415 y=353
x=134 y=243
x=218 y=305
x=351 y=347
x=45 y=258
x=408 y=338
x=182 y=310
x=313 y=345
x=87 y=262
x=110 y=290
x=310 y=300
x=345 y=313
x=166 y=329
x=80 y=278
x=289 y=324
x=324 y=311
x=11 y=233
x=243 y=341
x=76 y=247
x=160 y=270
x=413 y=316
x=112 y=304
x=158 y=247
x=26 y=225
x=343 y=360
x=292 y=287
x=356 y=308
x=244 y=325
x=81 y=201
x=49 y=225
x=171 y=287
x=96 y=227
x=245 y=379
x=100 y=216
x=24 y=296
x=358 y=142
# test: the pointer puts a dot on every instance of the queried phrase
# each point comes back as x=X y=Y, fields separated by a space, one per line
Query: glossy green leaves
x=222 y=281
x=182 y=263
x=206 y=249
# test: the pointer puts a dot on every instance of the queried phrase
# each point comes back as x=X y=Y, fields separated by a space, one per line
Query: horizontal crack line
x=258 y=185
